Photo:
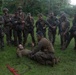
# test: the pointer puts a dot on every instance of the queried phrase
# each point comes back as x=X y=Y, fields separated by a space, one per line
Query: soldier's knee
x=38 y=54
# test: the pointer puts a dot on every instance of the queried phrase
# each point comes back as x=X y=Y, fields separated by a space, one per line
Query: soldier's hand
x=23 y=21
x=54 y=27
x=10 y=19
x=64 y=33
x=33 y=44
x=44 y=27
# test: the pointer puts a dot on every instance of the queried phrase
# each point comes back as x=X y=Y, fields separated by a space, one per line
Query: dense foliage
x=38 y=6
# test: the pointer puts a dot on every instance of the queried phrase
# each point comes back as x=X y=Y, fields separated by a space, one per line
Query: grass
x=67 y=65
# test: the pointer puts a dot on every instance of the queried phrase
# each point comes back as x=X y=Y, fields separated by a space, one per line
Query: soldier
x=63 y=30
x=41 y=25
x=1 y=33
x=43 y=52
x=22 y=16
x=22 y=52
x=7 y=25
x=52 y=20
x=29 y=28
x=17 y=29
x=72 y=33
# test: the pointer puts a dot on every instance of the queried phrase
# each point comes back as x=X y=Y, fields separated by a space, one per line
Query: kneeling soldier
x=43 y=52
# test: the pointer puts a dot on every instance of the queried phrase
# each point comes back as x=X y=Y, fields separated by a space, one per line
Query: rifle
x=12 y=70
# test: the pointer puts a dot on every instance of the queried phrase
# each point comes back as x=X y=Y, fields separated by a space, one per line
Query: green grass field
x=67 y=65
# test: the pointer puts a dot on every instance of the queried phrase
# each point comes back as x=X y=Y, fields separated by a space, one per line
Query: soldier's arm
x=36 y=25
x=68 y=26
x=37 y=48
x=48 y=24
x=19 y=54
x=56 y=22
x=32 y=21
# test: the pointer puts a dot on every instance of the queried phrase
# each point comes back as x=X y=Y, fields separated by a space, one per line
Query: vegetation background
x=67 y=65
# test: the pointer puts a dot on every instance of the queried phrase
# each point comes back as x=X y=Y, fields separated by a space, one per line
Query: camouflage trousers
x=52 y=36
x=64 y=39
x=26 y=33
x=1 y=42
x=1 y=39
x=72 y=35
x=41 y=57
x=17 y=37
x=7 y=31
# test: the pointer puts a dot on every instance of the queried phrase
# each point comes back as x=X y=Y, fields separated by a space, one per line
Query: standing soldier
x=41 y=25
x=1 y=33
x=72 y=33
x=7 y=25
x=17 y=29
x=22 y=16
x=29 y=29
x=52 y=20
x=63 y=30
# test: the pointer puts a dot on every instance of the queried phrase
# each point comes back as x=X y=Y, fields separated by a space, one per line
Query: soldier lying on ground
x=42 y=53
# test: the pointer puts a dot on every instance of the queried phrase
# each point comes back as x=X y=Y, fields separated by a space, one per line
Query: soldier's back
x=46 y=44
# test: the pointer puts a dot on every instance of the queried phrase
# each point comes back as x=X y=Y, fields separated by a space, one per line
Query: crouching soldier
x=1 y=33
x=43 y=52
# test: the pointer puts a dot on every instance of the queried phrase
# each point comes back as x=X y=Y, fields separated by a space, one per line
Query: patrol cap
x=29 y=14
x=19 y=7
x=39 y=33
x=5 y=9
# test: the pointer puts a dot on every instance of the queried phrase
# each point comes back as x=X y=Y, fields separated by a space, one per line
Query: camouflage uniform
x=43 y=52
x=23 y=52
x=63 y=30
x=29 y=29
x=22 y=16
x=17 y=29
x=1 y=33
x=52 y=20
x=72 y=34
x=41 y=26
x=7 y=25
